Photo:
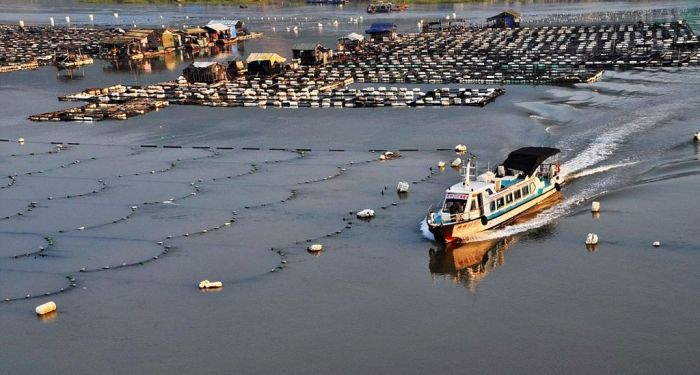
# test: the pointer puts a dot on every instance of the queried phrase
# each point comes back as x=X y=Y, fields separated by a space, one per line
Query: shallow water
x=529 y=299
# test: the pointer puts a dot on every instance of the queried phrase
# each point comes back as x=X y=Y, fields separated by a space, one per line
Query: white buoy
x=52 y=21
x=315 y=248
x=206 y=284
x=46 y=308
x=91 y=17
x=592 y=239
x=116 y=15
x=656 y=244
x=461 y=148
x=67 y=19
x=402 y=187
x=21 y=23
x=441 y=164
x=457 y=162
x=595 y=207
x=20 y=140
x=366 y=213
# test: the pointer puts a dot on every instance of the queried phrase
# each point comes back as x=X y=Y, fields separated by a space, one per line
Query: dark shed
x=508 y=18
x=205 y=72
x=381 y=31
x=311 y=54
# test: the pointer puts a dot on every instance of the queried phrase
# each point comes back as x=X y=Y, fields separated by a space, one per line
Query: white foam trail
x=605 y=144
x=602 y=168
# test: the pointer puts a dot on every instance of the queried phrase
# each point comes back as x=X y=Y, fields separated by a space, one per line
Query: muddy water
x=530 y=298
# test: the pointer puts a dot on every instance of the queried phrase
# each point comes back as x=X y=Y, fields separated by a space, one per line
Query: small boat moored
x=526 y=178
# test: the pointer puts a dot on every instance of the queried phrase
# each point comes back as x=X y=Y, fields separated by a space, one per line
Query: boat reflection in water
x=468 y=263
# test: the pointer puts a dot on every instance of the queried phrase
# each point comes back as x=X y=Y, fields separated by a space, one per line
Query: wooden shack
x=379 y=32
x=196 y=38
x=235 y=26
x=205 y=72
x=237 y=68
x=505 y=19
x=312 y=54
x=350 y=42
x=171 y=39
x=265 y=64
x=217 y=32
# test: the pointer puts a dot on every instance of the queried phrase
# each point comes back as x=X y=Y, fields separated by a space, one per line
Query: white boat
x=526 y=178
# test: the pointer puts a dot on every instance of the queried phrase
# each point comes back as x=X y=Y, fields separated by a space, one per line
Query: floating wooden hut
x=381 y=32
x=236 y=27
x=265 y=64
x=205 y=72
x=196 y=38
x=350 y=42
x=312 y=54
x=237 y=68
x=218 y=33
x=506 y=19
x=171 y=39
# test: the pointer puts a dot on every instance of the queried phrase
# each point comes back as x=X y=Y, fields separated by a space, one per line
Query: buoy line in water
x=241 y=148
x=167 y=247
x=348 y=224
x=53 y=151
x=35 y=204
x=39 y=252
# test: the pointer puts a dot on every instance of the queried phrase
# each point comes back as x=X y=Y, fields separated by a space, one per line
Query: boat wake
x=595 y=170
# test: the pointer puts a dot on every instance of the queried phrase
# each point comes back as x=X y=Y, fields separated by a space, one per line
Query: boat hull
x=455 y=232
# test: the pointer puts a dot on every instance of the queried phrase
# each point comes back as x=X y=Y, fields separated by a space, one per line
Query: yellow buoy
x=46 y=308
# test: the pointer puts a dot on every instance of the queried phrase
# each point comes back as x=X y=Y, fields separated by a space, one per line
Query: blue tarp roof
x=376 y=28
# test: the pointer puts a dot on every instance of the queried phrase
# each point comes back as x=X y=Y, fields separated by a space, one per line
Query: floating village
x=504 y=50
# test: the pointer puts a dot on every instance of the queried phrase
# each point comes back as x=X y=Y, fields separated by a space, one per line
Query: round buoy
x=457 y=162
x=592 y=239
x=315 y=248
x=656 y=244
x=441 y=164
x=595 y=207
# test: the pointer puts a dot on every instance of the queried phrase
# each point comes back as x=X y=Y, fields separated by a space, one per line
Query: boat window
x=526 y=191
x=516 y=194
x=532 y=187
x=509 y=198
x=454 y=206
x=500 y=203
x=490 y=191
x=492 y=206
x=474 y=208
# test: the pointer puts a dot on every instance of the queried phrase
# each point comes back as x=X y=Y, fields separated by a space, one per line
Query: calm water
x=531 y=299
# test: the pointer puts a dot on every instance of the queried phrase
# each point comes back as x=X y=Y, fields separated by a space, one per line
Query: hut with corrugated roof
x=265 y=64
x=205 y=72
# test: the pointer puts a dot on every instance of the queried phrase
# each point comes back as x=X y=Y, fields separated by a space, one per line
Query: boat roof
x=527 y=159
x=473 y=186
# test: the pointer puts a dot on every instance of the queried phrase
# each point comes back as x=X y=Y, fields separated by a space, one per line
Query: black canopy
x=527 y=159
